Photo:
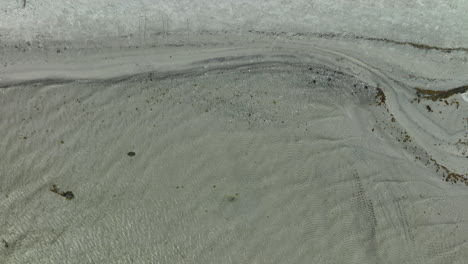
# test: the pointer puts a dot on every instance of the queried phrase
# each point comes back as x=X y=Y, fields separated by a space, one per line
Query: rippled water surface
x=293 y=153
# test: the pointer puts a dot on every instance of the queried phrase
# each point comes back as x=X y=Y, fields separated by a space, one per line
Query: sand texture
x=312 y=150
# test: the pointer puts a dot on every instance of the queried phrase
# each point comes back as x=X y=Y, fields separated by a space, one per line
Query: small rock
x=68 y=195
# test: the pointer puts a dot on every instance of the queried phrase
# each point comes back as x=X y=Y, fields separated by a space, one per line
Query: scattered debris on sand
x=439 y=95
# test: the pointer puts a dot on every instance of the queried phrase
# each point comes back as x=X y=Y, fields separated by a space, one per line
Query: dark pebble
x=69 y=195
x=131 y=154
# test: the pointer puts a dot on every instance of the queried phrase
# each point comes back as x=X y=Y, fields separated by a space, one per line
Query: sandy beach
x=265 y=149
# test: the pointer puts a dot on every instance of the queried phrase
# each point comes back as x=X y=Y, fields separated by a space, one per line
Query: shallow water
x=287 y=154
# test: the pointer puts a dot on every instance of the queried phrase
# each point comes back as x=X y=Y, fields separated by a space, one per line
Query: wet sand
x=279 y=153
